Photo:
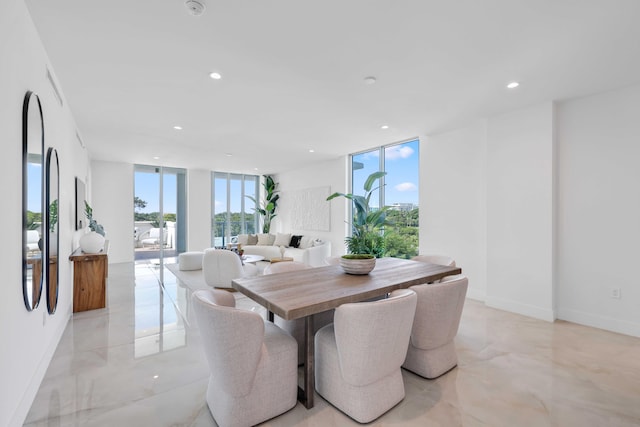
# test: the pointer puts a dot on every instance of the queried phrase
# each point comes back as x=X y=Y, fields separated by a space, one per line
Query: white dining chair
x=358 y=357
x=220 y=267
x=431 y=350
x=295 y=327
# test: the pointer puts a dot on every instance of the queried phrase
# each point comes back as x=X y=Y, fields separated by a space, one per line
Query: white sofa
x=311 y=251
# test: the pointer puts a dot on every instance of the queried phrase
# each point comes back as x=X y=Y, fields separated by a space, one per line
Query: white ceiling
x=293 y=71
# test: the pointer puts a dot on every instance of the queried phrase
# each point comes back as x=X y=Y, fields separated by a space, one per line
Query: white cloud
x=398 y=152
x=406 y=186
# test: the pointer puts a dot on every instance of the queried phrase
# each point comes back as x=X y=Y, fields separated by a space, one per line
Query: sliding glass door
x=159 y=212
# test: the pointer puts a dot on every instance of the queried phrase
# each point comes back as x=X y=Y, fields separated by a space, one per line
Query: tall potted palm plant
x=366 y=242
x=270 y=203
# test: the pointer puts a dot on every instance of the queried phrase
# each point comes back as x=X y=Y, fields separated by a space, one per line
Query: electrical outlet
x=615 y=293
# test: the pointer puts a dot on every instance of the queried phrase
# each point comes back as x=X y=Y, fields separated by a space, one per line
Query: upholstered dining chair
x=358 y=356
x=436 y=259
x=432 y=351
x=252 y=363
x=295 y=327
x=220 y=267
x=445 y=260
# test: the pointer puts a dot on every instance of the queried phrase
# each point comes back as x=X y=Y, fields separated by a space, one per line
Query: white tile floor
x=139 y=363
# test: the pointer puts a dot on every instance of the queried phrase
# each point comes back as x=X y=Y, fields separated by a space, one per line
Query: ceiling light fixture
x=311 y=150
x=228 y=154
x=156 y=158
x=195 y=7
x=384 y=127
x=215 y=76
x=513 y=85
x=369 y=80
x=177 y=127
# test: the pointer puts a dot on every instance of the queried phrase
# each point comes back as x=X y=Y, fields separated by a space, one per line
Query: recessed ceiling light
x=155 y=377
x=156 y=158
x=311 y=150
x=255 y=169
x=215 y=75
x=513 y=85
x=369 y=80
x=228 y=154
x=177 y=127
x=384 y=127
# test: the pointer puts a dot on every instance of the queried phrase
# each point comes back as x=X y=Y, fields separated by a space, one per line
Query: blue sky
x=147 y=187
x=401 y=165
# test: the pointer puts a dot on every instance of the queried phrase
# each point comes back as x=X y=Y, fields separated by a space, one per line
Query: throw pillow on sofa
x=263 y=240
x=295 y=241
x=282 y=239
x=243 y=239
x=252 y=239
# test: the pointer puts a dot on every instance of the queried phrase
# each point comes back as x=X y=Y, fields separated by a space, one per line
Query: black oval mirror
x=32 y=200
x=51 y=201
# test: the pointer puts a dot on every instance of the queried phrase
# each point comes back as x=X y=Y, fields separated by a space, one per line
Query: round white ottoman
x=190 y=261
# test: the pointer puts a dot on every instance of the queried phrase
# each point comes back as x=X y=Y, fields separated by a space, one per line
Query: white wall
x=453 y=200
x=30 y=338
x=599 y=210
x=332 y=173
x=520 y=212
x=199 y=210
x=111 y=198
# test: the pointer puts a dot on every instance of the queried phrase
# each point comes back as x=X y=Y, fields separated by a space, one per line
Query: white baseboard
x=601 y=322
x=29 y=395
x=519 y=308
x=476 y=295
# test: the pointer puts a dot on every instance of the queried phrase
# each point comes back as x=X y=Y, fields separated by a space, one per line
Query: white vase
x=53 y=244
x=92 y=243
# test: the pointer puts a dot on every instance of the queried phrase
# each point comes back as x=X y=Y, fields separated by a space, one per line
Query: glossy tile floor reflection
x=139 y=362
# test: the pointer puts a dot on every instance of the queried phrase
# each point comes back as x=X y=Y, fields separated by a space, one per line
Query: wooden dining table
x=304 y=293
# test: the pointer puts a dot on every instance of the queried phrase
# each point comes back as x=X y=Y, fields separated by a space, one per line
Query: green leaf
x=371 y=179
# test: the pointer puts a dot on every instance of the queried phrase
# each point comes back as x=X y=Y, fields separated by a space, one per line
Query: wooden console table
x=89 y=279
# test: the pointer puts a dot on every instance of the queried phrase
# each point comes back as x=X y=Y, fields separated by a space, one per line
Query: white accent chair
x=154 y=238
x=220 y=267
x=295 y=327
x=358 y=357
x=432 y=351
x=254 y=375
x=32 y=240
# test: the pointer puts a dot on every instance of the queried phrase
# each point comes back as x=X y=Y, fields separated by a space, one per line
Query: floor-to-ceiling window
x=399 y=190
x=233 y=212
x=160 y=195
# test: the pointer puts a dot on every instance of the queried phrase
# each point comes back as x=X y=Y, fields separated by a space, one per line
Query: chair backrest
x=220 y=267
x=438 y=312
x=232 y=339
x=436 y=259
x=282 y=267
x=372 y=337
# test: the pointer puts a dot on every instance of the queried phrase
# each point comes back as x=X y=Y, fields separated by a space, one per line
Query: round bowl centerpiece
x=357 y=263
